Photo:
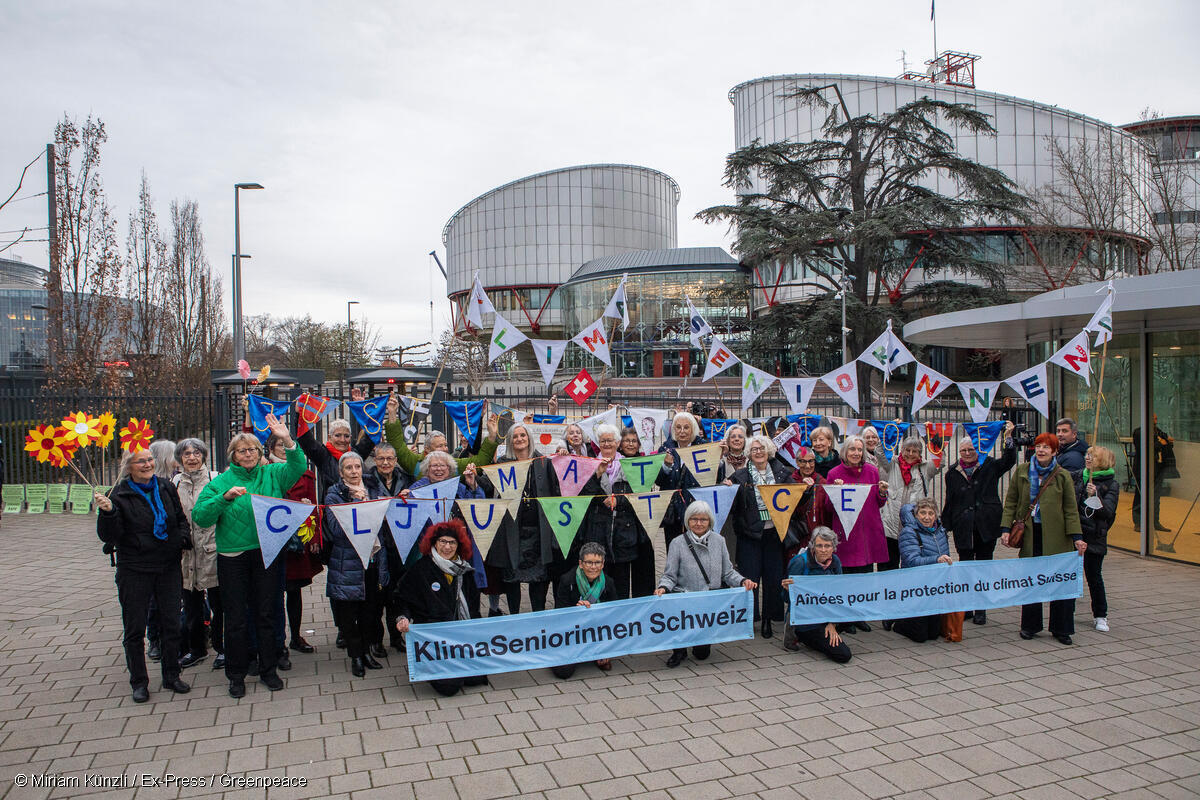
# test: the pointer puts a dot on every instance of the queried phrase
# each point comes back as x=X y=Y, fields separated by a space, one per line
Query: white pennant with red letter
x=720 y=358
x=844 y=381
x=930 y=383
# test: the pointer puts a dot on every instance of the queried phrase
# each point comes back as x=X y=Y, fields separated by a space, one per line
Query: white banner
x=1032 y=384
x=720 y=358
x=929 y=384
x=505 y=337
x=848 y=500
x=798 y=392
x=549 y=353
x=844 y=381
x=361 y=522
x=788 y=443
x=1074 y=356
x=478 y=304
x=697 y=327
x=979 y=396
x=886 y=353
x=617 y=307
x=605 y=418
x=546 y=436
x=754 y=382
x=594 y=339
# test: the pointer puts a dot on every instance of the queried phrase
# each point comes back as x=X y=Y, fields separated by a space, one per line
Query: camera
x=1021 y=437
x=703 y=409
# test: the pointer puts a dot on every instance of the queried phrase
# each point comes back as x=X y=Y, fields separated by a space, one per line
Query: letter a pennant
x=573 y=472
x=505 y=337
x=754 y=383
x=720 y=358
x=979 y=397
x=549 y=353
x=781 y=500
x=360 y=522
x=848 y=502
x=844 y=381
x=650 y=508
x=483 y=517
x=564 y=515
x=594 y=340
x=1074 y=357
x=930 y=383
x=276 y=521
x=641 y=471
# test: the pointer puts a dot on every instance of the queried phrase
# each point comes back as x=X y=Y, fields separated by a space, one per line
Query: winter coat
x=900 y=495
x=748 y=522
x=199 y=563
x=528 y=542
x=326 y=463
x=400 y=481
x=236 y=529
x=812 y=508
x=676 y=476
x=302 y=567
x=826 y=466
x=129 y=526
x=410 y=462
x=566 y=593
x=617 y=529
x=682 y=573
x=1071 y=457
x=1060 y=513
x=973 y=504
x=803 y=564
x=347 y=576
x=867 y=543
x=1095 y=522
x=424 y=595
x=920 y=545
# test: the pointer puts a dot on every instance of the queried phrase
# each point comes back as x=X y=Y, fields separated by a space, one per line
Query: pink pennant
x=573 y=472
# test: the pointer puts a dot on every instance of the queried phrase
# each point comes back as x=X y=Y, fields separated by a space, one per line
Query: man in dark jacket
x=1071 y=448
x=581 y=587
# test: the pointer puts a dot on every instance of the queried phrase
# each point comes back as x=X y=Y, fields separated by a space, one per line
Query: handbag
x=952 y=626
x=1016 y=534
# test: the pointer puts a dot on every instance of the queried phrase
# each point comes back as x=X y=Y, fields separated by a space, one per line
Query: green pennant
x=641 y=471
x=564 y=515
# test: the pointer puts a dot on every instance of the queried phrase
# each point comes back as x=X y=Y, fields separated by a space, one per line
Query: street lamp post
x=349 y=342
x=239 y=334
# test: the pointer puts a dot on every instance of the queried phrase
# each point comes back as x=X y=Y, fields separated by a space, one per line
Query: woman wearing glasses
x=582 y=586
x=144 y=520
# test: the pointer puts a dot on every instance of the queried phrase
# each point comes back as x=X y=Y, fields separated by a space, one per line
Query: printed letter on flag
x=1101 y=322
x=781 y=500
x=697 y=327
x=564 y=515
x=788 y=442
x=1031 y=384
x=549 y=353
x=617 y=307
x=573 y=472
x=650 y=508
x=478 y=303
x=719 y=498
x=594 y=340
x=360 y=522
x=276 y=521
x=979 y=397
x=1074 y=356
x=641 y=471
x=508 y=479
x=444 y=491
x=798 y=392
x=505 y=337
x=754 y=383
x=984 y=435
x=887 y=353
x=848 y=501
x=844 y=381
x=702 y=461
x=720 y=358
x=930 y=383
x=483 y=517
x=406 y=521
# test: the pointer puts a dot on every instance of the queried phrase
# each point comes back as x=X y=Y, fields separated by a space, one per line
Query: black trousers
x=920 y=629
x=815 y=639
x=134 y=590
x=893 y=561
x=761 y=561
x=700 y=651
x=1062 y=612
x=1095 y=581
x=537 y=596
x=193 y=620
x=632 y=578
x=249 y=596
x=359 y=621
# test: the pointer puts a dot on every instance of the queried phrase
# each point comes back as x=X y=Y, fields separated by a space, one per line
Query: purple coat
x=867 y=543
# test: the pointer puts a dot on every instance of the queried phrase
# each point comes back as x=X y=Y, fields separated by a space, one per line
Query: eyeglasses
x=245 y=451
x=384 y=459
x=758 y=449
x=591 y=562
x=447 y=542
x=806 y=461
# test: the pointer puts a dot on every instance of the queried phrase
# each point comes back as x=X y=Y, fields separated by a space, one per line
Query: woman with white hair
x=324 y=457
x=874 y=448
x=696 y=562
x=865 y=545
x=910 y=478
x=685 y=432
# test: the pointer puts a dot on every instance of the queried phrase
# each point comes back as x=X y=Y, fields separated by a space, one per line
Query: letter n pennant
x=564 y=515
x=642 y=471
x=781 y=500
x=360 y=522
x=848 y=501
x=276 y=521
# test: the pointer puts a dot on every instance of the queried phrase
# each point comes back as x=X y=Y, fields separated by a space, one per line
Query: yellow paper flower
x=42 y=441
x=81 y=428
x=107 y=426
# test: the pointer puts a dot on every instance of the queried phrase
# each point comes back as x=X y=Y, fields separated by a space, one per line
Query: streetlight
x=239 y=335
x=349 y=341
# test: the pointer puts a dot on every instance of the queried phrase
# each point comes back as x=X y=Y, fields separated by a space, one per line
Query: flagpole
x=453 y=327
x=1099 y=396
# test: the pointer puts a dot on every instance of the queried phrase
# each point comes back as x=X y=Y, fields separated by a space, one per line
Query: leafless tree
x=9 y=199
x=466 y=355
x=198 y=336
x=147 y=326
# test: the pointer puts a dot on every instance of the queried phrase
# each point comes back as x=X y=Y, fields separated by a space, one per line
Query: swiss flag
x=581 y=387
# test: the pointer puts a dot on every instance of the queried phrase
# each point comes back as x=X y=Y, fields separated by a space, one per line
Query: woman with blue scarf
x=1051 y=528
x=144 y=520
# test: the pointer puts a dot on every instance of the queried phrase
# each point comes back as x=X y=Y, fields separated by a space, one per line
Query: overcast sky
x=371 y=123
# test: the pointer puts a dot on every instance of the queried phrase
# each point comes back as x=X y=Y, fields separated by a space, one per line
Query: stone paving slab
x=1115 y=716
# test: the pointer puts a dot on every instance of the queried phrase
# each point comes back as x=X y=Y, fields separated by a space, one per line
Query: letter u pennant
x=483 y=517
x=564 y=515
x=781 y=500
x=276 y=521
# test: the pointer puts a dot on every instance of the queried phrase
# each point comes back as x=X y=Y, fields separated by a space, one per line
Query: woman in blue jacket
x=816 y=559
x=922 y=541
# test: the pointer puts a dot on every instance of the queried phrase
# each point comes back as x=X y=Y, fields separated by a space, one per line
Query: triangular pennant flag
x=788 y=442
x=311 y=409
x=370 y=414
x=360 y=522
x=984 y=435
x=937 y=436
x=781 y=500
x=478 y=304
x=1032 y=384
x=929 y=384
x=508 y=479
x=697 y=327
x=483 y=517
x=720 y=358
x=719 y=498
x=1101 y=322
x=848 y=500
x=467 y=416
x=702 y=461
x=642 y=471
x=1074 y=356
x=505 y=336
x=886 y=353
x=406 y=519
x=444 y=491
x=979 y=397
x=714 y=429
x=891 y=434
x=649 y=422
x=847 y=426
x=594 y=340
x=808 y=423
x=257 y=409
x=651 y=508
x=606 y=418
x=798 y=392
x=754 y=425
x=564 y=515
x=276 y=521
x=844 y=381
x=617 y=308
x=754 y=382
x=549 y=353
x=573 y=472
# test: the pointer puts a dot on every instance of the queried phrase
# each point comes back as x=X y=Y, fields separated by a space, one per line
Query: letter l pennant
x=360 y=522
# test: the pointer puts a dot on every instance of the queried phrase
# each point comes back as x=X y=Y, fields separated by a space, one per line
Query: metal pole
x=239 y=340
x=54 y=338
x=845 y=345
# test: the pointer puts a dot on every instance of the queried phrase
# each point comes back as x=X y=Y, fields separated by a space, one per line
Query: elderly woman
x=300 y=566
x=582 y=586
x=685 y=432
x=199 y=563
x=611 y=523
x=1098 y=493
x=575 y=442
x=144 y=520
x=165 y=469
x=909 y=478
x=410 y=462
x=631 y=443
x=432 y=590
x=972 y=509
x=819 y=558
x=874 y=449
x=760 y=547
x=1043 y=496
x=922 y=542
x=355 y=591
x=822 y=446
x=245 y=583
x=865 y=545
x=734 y=455
x=812 y=507
x=696 y=562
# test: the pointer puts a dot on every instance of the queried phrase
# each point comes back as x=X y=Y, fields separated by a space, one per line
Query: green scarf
x=588 y=592
x=1088 y=475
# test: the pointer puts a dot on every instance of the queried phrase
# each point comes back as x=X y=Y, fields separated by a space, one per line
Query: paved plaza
x=1115 y=716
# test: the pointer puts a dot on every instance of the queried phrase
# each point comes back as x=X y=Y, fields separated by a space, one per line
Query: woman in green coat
x=1053 y=528
x=244 y=581
x=410 y=461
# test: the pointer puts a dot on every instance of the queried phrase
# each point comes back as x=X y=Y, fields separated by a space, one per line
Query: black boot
x=767 y=633
x=370 y=661
x=356 y=667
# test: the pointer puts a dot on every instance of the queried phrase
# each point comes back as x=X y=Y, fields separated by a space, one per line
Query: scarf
x=968 y=469
x=700 y=540
x=762 y=479
x=588 y=591
x=149 y=491
x=1088 y=475
x=826 y=459
x=736 y=462
x=612 y=474
x=1036 y=474
x=905 y=470
x=333 y=451
x=457 y=568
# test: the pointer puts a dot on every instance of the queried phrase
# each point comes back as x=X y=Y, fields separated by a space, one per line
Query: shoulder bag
x=1016 y=534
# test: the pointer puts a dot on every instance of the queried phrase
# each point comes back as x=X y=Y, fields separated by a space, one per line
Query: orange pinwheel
x=107 y=426
x=42 y=441
x=264 y=373
x=81 y=428
x=136 y=436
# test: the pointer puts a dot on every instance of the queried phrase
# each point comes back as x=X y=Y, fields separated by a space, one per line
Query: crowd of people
x=190 y=571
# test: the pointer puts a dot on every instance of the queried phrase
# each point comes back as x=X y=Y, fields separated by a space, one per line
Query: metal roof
x=656 y=260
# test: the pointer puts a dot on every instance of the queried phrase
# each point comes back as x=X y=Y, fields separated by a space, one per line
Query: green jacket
x=410 y=461
x=1060 y=514
x=236 y=531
